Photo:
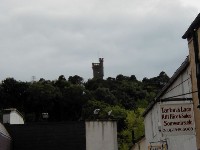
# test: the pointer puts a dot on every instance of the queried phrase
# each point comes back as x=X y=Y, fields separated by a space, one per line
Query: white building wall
x=101 y=135
x=15 y=118
x=181 y=86
x=182 y=142
x=154 y=135
x=148 y=128
x=152 y=123
x=152 y=120
x=12 y=116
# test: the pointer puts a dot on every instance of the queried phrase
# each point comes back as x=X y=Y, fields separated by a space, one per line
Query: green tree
x=13 y=93
x=61 y=83
x=41 y=98
x=74 y=97
x=104 y=94
x=75 y=79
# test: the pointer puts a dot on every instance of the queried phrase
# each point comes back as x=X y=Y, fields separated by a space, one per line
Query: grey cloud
x=46 y=41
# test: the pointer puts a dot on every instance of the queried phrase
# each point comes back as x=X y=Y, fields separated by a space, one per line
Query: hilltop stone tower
x=98 y=70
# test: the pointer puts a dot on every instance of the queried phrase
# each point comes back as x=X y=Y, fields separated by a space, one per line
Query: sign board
x=177 y=119
x=157 y=146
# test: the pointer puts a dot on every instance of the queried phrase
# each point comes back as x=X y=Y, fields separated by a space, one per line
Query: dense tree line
x=73 y=99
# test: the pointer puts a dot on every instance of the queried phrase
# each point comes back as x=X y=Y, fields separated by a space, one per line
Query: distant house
x=12 y=116
x=169 y=119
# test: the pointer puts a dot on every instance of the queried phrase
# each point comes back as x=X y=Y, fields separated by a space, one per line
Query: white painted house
x=169 y=120
x=12 y=116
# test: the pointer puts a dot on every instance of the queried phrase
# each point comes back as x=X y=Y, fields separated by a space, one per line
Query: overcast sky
x=49 y=38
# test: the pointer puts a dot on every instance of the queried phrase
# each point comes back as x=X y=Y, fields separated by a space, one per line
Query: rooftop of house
x=51 y=136
x=195 y=25
x=3 y=131
x=183 y=66
x=9 y=110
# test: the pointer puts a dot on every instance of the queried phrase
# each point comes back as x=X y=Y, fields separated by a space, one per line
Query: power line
x=181 y=94
x=178 y=85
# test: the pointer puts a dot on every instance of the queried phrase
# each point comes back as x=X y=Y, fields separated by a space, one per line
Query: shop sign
x=177 y=119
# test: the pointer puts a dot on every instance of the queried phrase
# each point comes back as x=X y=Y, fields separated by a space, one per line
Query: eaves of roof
x=183 y=66
x=195 y=25
x=12 y=109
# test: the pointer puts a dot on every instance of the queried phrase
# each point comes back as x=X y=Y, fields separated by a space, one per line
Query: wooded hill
x=73 y=99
